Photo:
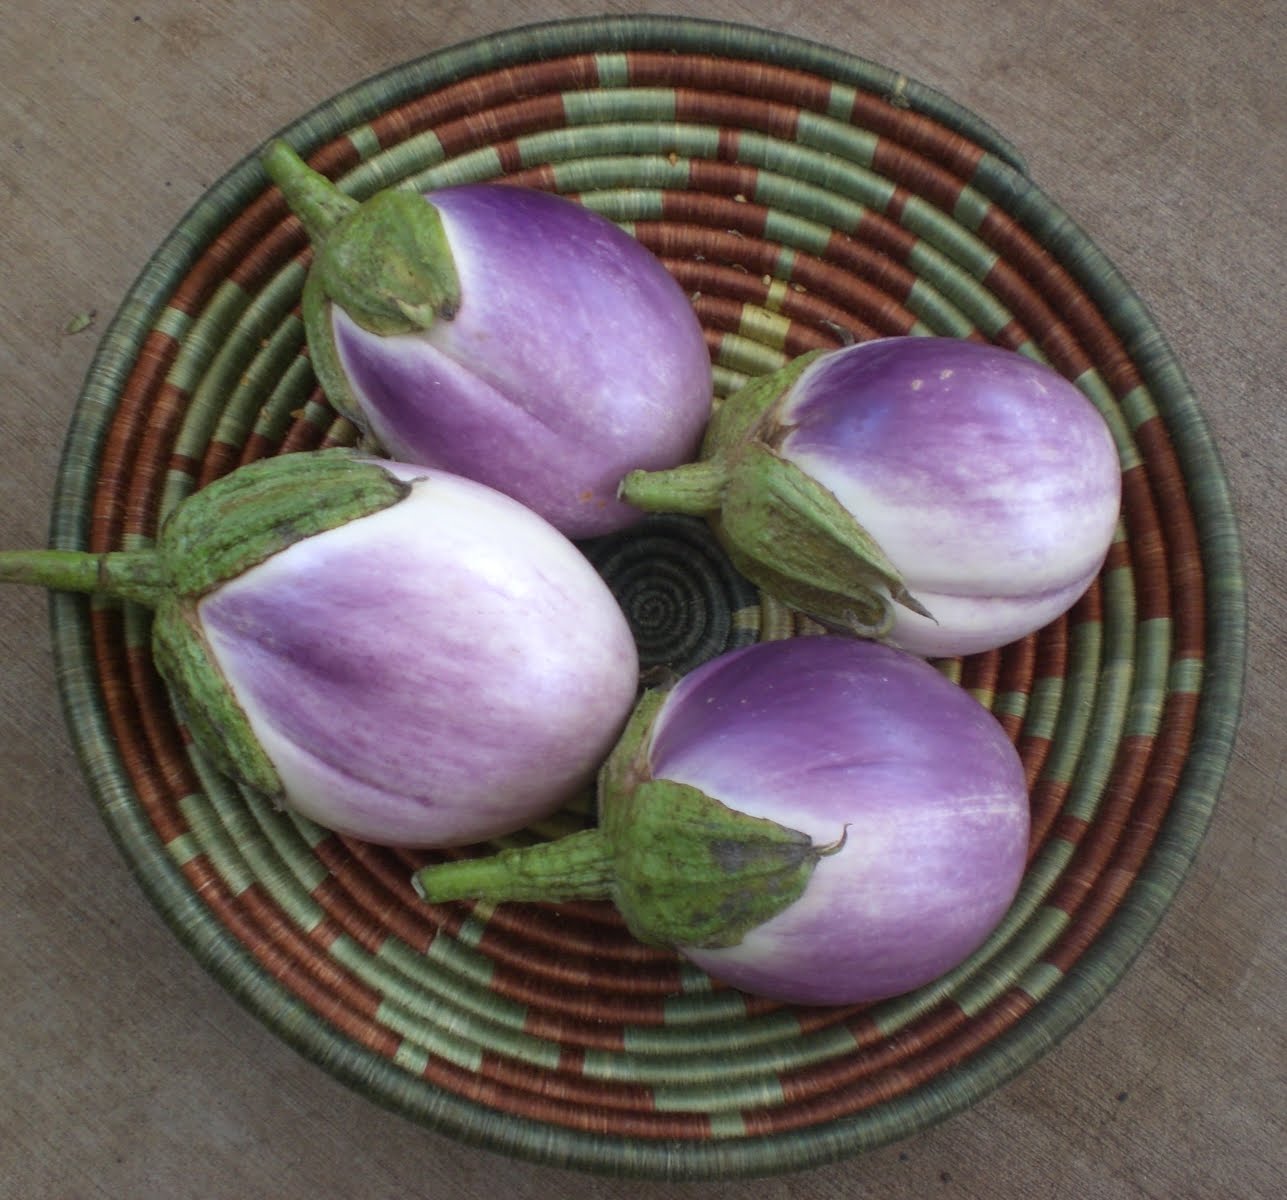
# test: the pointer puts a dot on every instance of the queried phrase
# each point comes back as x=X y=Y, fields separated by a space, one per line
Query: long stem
x=313 y=198
x=126 y=574
x=576 y=867
x=696 y=488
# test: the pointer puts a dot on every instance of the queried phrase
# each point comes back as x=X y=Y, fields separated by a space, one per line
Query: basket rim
x=1075 y=996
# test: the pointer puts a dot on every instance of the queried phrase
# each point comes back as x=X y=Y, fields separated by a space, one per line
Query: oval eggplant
x=399 y=654
x=947 y=496
x=504 y=334
x=820 y=820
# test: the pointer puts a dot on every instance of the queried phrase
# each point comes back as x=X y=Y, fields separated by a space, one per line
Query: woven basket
x=804 y=198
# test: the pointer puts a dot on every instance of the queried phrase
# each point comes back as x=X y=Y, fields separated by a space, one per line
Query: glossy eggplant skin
x=819 y=820
x=444 y=670
x=988 y=479
x=399 y=654
x=869 y=748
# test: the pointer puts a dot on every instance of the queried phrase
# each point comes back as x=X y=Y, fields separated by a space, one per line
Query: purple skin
x=573 y=359
x=989 y=480
x=842 y=737
x=413 y=675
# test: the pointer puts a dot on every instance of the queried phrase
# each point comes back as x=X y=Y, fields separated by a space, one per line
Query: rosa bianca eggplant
x=399 y=654
x=947 y=496
x=820 y=820
x=501 y=333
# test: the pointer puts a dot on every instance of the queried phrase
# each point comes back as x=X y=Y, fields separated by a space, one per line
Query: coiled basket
x=804 y=198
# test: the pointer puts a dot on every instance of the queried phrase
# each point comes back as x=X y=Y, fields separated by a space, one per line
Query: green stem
x=695 y=488
x=126 y=574
x=682 y=868
x=313 y=198
x=577 y=867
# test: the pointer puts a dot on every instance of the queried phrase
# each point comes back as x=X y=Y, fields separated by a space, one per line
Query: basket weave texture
x=803 y=198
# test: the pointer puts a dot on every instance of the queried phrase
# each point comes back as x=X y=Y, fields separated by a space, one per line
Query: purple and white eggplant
x=944 y=495
x=397 y=653
x=819 y=820
x=504 y=334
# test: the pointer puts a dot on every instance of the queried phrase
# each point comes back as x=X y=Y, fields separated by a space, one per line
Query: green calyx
x=251 y=513
x=385 y=261
x=693 y=872
x=746 y=414
x=682 y=868
x=203 y=699
x=215 y=535
x=218 y=534
x=782 y=529
x=790 y=535
x=388 y=265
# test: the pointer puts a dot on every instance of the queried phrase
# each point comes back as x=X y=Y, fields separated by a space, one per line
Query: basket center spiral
x=684 y=600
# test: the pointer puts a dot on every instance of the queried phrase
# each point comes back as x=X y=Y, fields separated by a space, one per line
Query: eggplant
x=946 y=496
x=399 y=654
x=501 y=333
x=818 y=820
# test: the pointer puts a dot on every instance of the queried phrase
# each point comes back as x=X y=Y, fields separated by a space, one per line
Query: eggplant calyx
x=781 y=528
x=247 y=516
x=751 y=412
x=576 y=867
x=696 y=488
x=691 y=871
x=205 y=700
x=389 y=265
x=792 y=537
x=386 y=260
x=688 y=870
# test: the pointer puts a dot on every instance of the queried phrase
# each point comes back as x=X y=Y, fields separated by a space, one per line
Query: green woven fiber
x=289 y=393
x=1077 y=698
x=774 y=1042
x=227 y=383
x=726 y=380
x=1020 y=952
x=747 y=357
x=452 y=1017
x=253 y=839
x=271 y=342
x=947 y=300
x=1106 y=714
x=582 y=148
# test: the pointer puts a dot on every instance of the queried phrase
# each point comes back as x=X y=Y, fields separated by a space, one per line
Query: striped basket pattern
x=804 y=198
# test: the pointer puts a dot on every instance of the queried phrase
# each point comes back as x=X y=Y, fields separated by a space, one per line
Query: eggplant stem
x=125 y=574
x=695 y=488
x=577 y=867
x=314 y=199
